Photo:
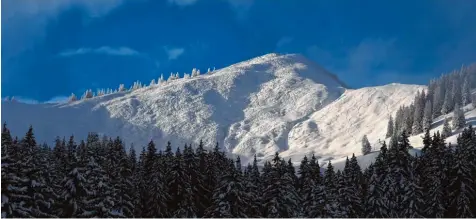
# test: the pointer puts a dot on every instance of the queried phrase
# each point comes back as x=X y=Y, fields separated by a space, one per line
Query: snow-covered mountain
x=270 y=103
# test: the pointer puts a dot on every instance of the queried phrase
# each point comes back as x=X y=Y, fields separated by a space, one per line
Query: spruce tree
x=330 y=192
x=427 y=117
x=462 y=193
x=253 y=185
x=280 y=197
x=390 y=127
x=438 y=99
x=399 y=121
x=458 y=118
x=419 y=103
x=349 y=194
x=230 y=198
x=413 y=196
x=75 y=187
x=457 y=93
x=202 y=190
x=366 y=148
x=292 y=173
x=33 y=171
x=376 y=205
x=447 y=104
x=355 y=180
x=123 y=184
x=154 y=192
x=446 y=129
x=473 y=100
x=98 y=201
x=181 y=202
x=13 y=183
x=466 y=92
x=141 y=208
x=397 y=178
x=432 y=176
x=311 y=189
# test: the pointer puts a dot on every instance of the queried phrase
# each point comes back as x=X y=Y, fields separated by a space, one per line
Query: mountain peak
x=297 y=64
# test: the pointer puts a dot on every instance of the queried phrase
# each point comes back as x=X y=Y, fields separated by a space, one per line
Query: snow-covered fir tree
x=466 y=91
x=121 y=88
x=413 y=197
x=390 y=127
x=72 y=98
x=376 y=205
x=194 y=72
x=311 y=188
x=349 y=190
x=161 y=79
x=462 y=182
x=434 y=176
x=181 y=199
x=100 y=92
x=446 y=129
x=87 y=94
x=75 y=188
x=427 y=117
x=458 y=118
x=419 y=103
x=13 y=183
x=397 y=177
x=230 y=198
x=366 y=148
x=473 y=100
x=456 y=91
x=331 y=207
x=98 y=201
x=280 y=198
x=154 y=190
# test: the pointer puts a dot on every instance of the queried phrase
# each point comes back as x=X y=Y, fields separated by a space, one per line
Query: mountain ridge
x=251 y=107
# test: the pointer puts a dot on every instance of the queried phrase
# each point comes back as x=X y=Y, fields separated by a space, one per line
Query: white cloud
x=183 y=2
x=370 y=53
x=121 y=51
x=174 y=53
x=322 y=56
x=377 y=60
x=24 y=21
x=283 y=41
x=241 y=7
x=58 y=99
x=25 y=100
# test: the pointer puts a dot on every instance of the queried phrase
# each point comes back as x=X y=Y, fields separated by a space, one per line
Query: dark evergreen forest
x=98 y=178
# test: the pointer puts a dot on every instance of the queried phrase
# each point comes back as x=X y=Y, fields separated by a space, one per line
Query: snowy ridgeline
x=271 y=103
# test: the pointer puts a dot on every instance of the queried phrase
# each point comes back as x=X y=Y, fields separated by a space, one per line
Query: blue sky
x=51 y=48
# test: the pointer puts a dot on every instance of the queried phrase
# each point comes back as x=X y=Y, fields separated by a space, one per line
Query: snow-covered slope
x=415 y=141
x=248 y=107
x=336 y=130
x=270 y=103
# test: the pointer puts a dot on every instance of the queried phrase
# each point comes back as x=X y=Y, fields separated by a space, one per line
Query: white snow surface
x=271 y=103
x=416 y=141
x=336 y=130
